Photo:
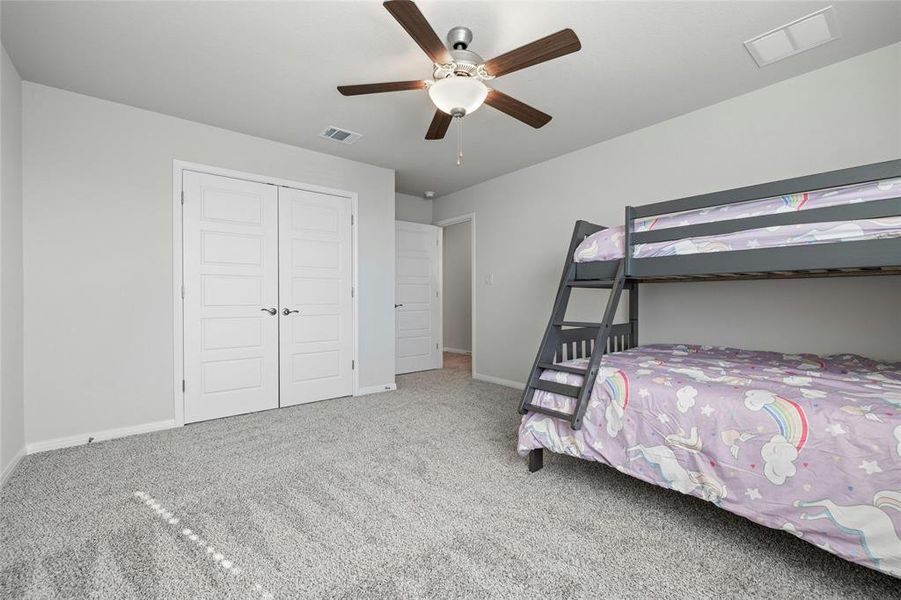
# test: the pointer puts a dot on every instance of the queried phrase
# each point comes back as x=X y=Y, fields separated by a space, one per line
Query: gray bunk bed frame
x=565 y=340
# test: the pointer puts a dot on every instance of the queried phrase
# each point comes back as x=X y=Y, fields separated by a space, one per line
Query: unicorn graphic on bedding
x=792 y=441
x=870 y=523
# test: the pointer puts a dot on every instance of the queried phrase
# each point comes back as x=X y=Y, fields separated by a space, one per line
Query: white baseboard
x=100 y=436
x=457 y=351
x=505 y=382
x=375 y=389
x=12 y=465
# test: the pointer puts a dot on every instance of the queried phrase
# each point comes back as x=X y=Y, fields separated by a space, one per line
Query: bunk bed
x=799 y=442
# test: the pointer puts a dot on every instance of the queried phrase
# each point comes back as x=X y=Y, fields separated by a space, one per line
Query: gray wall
x=12 y=426
x=457 y=285
x=842 y=115
x=98 y=253
x=412 y=208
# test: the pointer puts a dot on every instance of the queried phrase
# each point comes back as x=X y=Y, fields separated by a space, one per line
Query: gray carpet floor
x=410 y=494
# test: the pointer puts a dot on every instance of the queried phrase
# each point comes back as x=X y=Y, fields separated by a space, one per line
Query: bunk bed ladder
x=555 y=337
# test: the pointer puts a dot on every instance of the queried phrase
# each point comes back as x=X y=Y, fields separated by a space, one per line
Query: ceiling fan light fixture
x=458 y=96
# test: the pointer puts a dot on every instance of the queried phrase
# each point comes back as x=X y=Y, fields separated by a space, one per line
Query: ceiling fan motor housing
x=465 y=62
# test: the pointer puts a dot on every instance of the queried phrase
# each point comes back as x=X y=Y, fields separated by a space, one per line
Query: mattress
x=807 y=444
x=608 y=244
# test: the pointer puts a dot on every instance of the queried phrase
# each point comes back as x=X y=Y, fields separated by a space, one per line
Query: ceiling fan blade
x=409 y=17
x=516 y=109
x=440 y=122
x=547 y=48
x=378 y=88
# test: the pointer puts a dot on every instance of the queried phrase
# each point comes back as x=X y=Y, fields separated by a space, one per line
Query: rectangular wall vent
x=340 y=135
x=793 y=38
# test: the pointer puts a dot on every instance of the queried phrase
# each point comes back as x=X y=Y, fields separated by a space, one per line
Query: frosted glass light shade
x=458 y=94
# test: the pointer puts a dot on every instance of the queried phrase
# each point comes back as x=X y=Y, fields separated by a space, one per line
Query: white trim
x=455 y=220
x=355 y=275
x=440 y=234
x=505 y=382
x=375 y=389
x=8 y=471
x=471 y=217
x=178 y=394
x=457 y=351
x=178 y=167
x=100 y=436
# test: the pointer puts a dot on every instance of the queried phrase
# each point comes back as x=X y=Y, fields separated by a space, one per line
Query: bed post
x=536 y=459
x=627 y=242
x=632 y=285
x=633 y=315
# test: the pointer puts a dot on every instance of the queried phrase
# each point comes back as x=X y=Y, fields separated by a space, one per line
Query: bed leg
x=536 y=459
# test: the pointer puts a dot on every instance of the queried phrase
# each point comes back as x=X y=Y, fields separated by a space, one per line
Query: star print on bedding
x=799 y=442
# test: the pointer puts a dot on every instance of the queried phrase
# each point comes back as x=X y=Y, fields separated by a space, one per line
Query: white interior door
x=230 y=288
x=416 y=297
x=316 y=312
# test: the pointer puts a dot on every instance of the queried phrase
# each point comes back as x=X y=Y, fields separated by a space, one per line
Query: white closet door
x=418 y=307
x=231 y=283
x=315 y=264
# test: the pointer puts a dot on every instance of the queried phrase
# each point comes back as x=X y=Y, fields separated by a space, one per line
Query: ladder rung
x=549 y=412
x=591 y=283
x=564 y=368
x=573 y=391
x=576 y=324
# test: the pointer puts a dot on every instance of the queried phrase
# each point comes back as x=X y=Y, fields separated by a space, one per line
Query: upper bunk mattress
x=807 y=444
x=608 y=244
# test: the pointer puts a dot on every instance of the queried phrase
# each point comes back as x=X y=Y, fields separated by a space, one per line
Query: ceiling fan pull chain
x=460 y=142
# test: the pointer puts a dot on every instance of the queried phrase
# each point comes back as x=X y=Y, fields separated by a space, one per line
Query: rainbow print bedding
x=608 y=244
x=807 y=444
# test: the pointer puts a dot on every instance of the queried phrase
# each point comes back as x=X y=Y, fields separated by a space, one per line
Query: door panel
x=418 y=318
x=230 y=273
x=316 y=278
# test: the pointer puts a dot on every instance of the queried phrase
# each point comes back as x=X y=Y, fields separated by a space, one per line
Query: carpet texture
x=409 y=494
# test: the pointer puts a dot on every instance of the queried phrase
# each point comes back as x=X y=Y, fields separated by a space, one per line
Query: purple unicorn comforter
x=799 y=442
x=608 y=244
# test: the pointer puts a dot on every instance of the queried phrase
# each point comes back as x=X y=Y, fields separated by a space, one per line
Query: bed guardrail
x=579 y=342
x=825 y=255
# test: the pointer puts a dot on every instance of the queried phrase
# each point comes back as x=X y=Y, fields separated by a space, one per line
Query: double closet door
x=268 y=308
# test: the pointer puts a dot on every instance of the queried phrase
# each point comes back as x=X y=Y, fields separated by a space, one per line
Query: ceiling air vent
x=341 y=135
x=803 y=34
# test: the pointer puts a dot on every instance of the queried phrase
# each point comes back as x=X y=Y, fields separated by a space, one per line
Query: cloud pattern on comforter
x=799 y=442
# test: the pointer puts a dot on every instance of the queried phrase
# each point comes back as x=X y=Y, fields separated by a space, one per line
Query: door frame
x=471 y=218
x=178 y=167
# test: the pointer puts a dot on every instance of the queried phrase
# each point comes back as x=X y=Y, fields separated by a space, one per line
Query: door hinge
x=183 y=385
x=352 y=292
x=353 y=365
x=351 y=219
x=183 y=292
x=182 y=197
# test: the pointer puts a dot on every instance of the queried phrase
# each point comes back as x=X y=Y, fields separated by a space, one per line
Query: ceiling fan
x=457 y=87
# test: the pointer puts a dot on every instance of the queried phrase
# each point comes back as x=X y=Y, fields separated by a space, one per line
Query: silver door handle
x=271 y=311
x=398 y=305
x=287 y=312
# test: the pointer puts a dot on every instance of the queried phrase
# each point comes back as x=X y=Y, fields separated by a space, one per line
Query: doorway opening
x=457 y=269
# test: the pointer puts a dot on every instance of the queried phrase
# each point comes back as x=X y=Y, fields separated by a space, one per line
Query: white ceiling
x=270 y=69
